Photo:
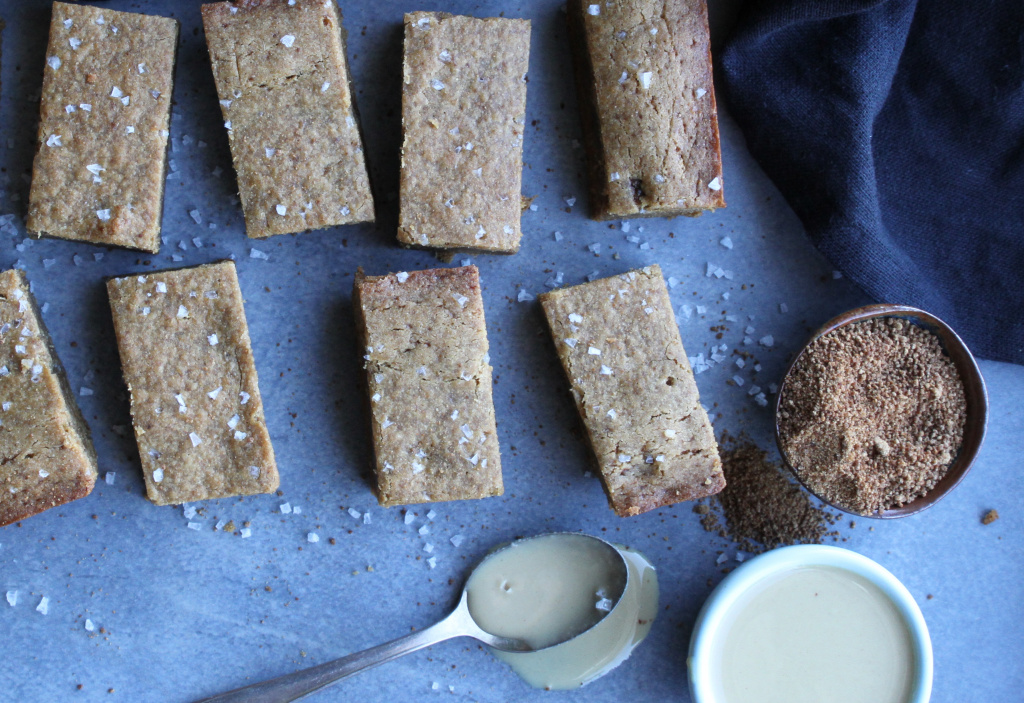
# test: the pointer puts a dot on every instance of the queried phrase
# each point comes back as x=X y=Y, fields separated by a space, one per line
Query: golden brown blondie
x=104 y=112
x=289 y=109
x=188 y=364
x=429 y=380
x=463 y=115
x=620 y=348
x=647 y=105
x=47 y=455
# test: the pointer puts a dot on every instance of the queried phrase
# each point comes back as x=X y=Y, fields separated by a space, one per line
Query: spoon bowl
x=548 y=589
x=459 y=623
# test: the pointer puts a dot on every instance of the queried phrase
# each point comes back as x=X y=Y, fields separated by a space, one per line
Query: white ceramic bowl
x=708 y=626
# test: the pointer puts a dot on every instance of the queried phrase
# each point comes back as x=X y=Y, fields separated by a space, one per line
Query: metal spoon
x=460 y=623
x=291 y=687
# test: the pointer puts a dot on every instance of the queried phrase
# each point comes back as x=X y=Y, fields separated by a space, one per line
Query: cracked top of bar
x=620 y=348
x=647 y=105
x=287 y=101
x=463 y=117
x=196 y=406
x=429 y=379
x=98 y=174
x=47 y=455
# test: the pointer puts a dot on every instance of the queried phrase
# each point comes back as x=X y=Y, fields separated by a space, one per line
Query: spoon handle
x=291 y=687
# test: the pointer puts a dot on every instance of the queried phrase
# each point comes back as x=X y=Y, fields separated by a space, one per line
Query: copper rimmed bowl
x=975 y=394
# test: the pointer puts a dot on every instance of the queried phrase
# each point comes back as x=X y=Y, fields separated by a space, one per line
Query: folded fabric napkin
x=895 y=129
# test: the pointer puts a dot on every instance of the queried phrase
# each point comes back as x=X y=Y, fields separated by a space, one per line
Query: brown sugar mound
x=872 y=414
x=760 y=507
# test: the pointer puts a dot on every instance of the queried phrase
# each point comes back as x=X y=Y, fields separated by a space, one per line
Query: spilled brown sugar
x=760 y=507
x=872 y=414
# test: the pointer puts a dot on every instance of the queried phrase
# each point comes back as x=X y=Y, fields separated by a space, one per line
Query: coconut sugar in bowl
x=882 y=412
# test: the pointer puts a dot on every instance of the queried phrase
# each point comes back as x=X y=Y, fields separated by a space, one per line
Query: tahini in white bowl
x=810 y=622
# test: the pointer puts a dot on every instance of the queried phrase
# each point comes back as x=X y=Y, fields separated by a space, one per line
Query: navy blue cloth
x=895 y=130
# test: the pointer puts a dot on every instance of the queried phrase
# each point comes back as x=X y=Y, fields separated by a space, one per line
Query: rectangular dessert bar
x=647 y=105
x=288 y=106
x=429 y=381
x=48 y=457
x=104 y=113
x=195 y=402
x=463 y=117
x=620 y=348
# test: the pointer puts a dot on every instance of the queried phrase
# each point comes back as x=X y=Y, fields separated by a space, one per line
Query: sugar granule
x=760 y=507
